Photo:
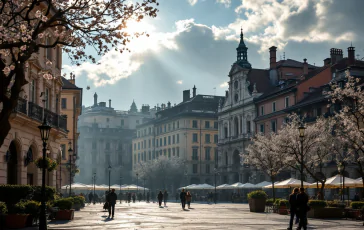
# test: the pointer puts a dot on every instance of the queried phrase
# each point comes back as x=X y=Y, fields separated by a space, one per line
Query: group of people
x=162 y=197
x=185 y=197
x=298 y=201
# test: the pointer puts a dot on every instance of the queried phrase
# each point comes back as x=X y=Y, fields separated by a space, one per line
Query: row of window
x=274 y=107
x=207 y=138
x=208 y=168
x=153 y=155
x=174 y=139
x=207 y=124
x=195 y=154
x=46 y=96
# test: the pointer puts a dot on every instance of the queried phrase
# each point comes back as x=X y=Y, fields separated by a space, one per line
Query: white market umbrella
x=133 y=187
x=337 y=182
x=225 y=186
x=270 y=184
x=78 y=186
x=204 y=186
x=247 y=185
x=237 y=185
x=290 y=183
x=262 y=184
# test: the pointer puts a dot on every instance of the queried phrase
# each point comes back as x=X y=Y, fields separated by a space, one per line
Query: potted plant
x=283 y=206
x=257 y=201
x=78 y=202
x=17 y=217
x=317 y=207
x=356 y=206
x=65 y=211
x=50 y=164
x=32 y=208
x=3 y=212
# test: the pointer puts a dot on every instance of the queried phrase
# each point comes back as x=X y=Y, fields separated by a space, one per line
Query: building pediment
x=235 y=69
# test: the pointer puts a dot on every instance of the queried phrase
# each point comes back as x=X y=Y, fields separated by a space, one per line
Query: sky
x=193 y=42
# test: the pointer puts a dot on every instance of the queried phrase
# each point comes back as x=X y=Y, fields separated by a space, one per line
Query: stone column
x=22 y=170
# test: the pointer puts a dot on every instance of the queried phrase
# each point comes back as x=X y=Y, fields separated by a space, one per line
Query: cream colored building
x=71 y=106
x=188 y=130
x=39 y=98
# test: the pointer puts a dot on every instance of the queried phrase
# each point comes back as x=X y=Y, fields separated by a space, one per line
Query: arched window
x=236 y=126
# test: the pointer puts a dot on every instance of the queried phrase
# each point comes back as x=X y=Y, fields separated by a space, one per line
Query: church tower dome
x=133 y=108
x=242 y=53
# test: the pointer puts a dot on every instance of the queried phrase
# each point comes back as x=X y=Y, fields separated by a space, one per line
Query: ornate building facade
x=106 y=140
x=39 y=99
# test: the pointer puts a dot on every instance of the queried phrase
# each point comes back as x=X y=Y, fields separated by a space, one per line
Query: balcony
x=36 y=112
x=242 y=136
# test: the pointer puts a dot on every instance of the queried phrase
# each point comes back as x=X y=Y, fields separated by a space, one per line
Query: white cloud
x=227 y=3
x=179 y=82
x=192 y=2
x=224 y=85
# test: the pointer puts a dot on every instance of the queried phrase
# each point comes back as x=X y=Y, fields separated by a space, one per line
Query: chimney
x=95 y=99
x=226 y=93
x=186 y=95
x=305 y=66
x=351 y=55
x=336 y=55
x=169 y=105
x=109 y=103
x=273 y=58
x=327 y=61
x=194 y=91
x=72 y=78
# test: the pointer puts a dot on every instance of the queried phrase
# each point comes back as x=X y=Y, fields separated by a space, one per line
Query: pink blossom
x=6 y=71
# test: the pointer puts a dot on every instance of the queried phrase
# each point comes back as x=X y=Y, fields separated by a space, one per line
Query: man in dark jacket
x=160 y=198
x=302 y=205
x=111 y=199
x=293 y=207
x=182 y=196
x=165 y=197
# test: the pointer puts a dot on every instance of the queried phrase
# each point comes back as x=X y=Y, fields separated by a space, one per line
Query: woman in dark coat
x=160 y=198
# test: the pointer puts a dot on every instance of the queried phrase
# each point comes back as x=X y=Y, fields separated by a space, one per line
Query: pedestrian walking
x=160 y=198
x=182 y=196
x=129 y=197
x=302 y=201
x=188 y=199
x=176 y=196
x=293 y=208
x=148 y=196
x=111 y=199
x=165 y=197
x=133 y=196
x=90 y=198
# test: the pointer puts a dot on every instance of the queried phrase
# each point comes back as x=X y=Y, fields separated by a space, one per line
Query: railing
x=36 y=112
x=21 y=106
x=52 y=118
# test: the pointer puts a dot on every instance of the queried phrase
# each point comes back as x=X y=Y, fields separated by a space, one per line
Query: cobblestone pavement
x=203 y=216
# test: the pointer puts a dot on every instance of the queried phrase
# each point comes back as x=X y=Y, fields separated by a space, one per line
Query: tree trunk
x=9 y=104
x=273 y=191
x=322 y=189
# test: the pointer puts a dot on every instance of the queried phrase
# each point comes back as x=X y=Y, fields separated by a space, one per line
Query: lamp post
x=137 y=182
x=144 y=186
x=70 y=151
x=301 y=130
x=109 y=175
x=340 y=168
x=94 y=180
x=120 y=188
x=44 y=133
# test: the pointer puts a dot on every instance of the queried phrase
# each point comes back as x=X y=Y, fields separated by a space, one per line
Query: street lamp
x=44 y=134
x=70 y=151
x=144 y=186
x=301 y=131
x=137 y=182
x=340 y=168
x=109 y=175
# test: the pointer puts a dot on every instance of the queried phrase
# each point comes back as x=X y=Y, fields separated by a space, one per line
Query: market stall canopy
x=117 y=186
x=289 y=183
x=262 y=184
x=203 y=186
x=247 y=185
x=133 y=187
x=225 y=186
x=237 y=185
x=76 y=186
x=337 y=182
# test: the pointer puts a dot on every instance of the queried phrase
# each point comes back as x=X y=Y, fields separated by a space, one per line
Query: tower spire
x=242 y=52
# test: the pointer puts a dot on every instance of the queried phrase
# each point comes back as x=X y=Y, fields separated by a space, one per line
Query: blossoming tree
x=350 y=119
x=73 y=25
x=315 y=149
x=263 y=154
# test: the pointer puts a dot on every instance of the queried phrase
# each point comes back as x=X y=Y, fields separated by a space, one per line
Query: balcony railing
x=21 y=106
x=36 y=112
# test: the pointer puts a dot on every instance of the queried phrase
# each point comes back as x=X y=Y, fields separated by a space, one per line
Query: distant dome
x=133 y=108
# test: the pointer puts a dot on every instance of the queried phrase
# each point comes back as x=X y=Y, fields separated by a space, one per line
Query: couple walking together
x=162 y=197
x=298 y=201
x=185 y=197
